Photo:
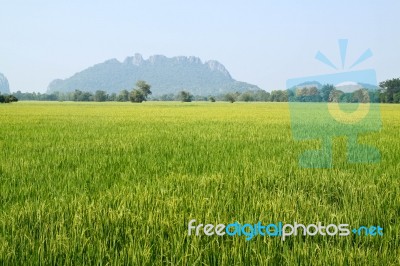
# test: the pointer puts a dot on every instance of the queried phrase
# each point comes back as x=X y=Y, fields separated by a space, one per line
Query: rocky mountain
x=4 y=86
x=165 y=75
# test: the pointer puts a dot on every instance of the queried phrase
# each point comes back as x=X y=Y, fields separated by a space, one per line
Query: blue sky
x=260 y=42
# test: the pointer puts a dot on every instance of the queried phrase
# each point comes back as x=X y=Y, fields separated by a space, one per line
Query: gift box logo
x=334 y=105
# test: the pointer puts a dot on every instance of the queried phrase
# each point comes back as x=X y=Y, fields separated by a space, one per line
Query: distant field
x=117 y=183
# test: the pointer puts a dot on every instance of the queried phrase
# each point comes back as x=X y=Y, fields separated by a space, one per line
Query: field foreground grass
x=116 y=183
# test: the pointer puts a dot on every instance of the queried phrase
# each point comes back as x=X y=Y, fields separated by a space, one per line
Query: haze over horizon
x=261 y=42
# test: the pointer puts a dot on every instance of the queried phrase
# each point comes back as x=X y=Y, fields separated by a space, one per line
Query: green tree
x=246 y=97
x=80 y=96
x=77 y=95
x=346 y=97
x=262 y=96
x=123 y=96
x=137 y=96
x=279 y=96
x=314 y=94
x=361 y=96
x=391 y=87
x=326 y=92
x=308 y=94
x=12 y=98
x=8 y=99
x=230 y=97
x=100 y=96
x=335 y=96
x=185 y=96
x=396 y=97
x=112 y=97
x=144 y=87
x=141 y=92
x=382 y=96
x=87 y=97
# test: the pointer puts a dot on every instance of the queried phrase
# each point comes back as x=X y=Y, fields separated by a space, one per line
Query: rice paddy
x=117 y=183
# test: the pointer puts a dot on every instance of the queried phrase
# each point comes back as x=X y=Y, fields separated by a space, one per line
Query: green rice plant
x=117 y=184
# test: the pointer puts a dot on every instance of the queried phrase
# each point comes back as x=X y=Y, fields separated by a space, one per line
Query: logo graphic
x=335 y=105
x=280 y=229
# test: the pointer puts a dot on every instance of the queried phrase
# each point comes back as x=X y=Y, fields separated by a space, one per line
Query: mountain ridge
x=165 y=75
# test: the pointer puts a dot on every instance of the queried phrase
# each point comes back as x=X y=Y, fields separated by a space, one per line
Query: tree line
x=8 y=98
x=388 y=92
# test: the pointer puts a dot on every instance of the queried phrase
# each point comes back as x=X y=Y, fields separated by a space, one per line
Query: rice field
x=117 y=184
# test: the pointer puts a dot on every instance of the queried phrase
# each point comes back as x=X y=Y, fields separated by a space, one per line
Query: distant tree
x=374 y=96
x=292 y=95
x=141 y=92
x=12 y=98
x=335 y=96
x=314 y=94
x=247 y=97
x=279 y=96
x=284 y=96
x=382 y=95
x=185 y=96
x=8 y=99
x=80 y=96
x=308 y=94
x=361 y=96
x=50 y=97
x=87 y=97
x=262 y=96
x=112 y=97
x=396 y=97
x=123 y=96
x=144 y=87
x=346 y=97
x=77 y=95
x=100 y=96
x=211 y=99
x=137 y=96
x=326 y=91
x=391 y=87
x=230 y=97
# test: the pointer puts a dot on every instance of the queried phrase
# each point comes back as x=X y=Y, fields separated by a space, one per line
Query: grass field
x=117 y=183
